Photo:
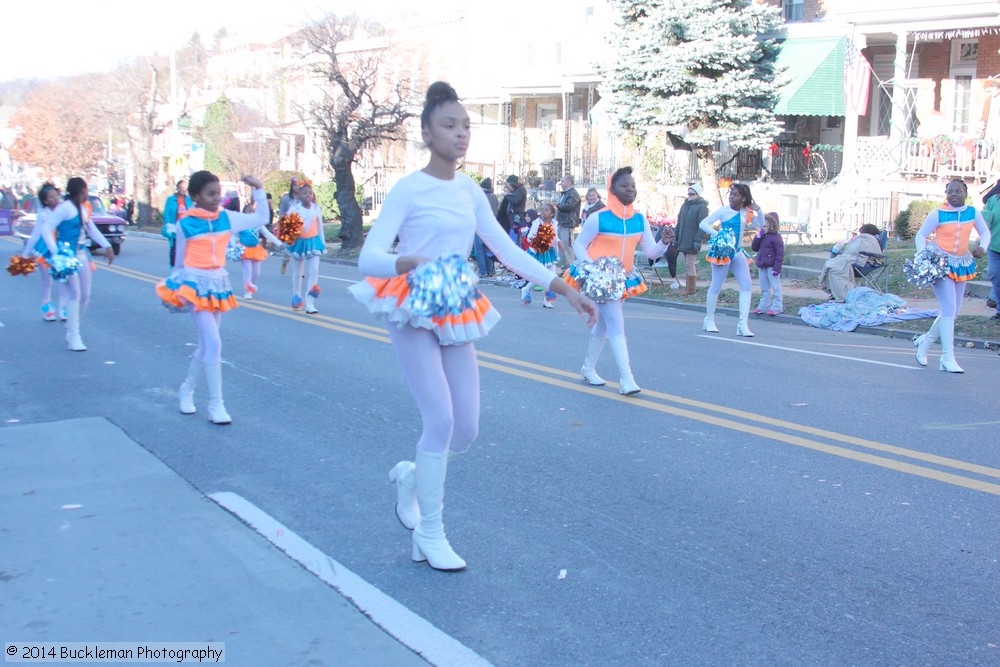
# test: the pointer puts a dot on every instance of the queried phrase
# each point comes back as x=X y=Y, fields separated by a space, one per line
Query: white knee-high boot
x=594 y=348
x=710 y=302
x=947 y=331
x=213 y=380
x=73 y=340
x=619 y=349
x=742 y=328
x=429 y=541
x=924 y=342
x=403 y=475
x=186 y=393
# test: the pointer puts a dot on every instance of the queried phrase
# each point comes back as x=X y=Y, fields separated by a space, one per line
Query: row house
x=932 y=68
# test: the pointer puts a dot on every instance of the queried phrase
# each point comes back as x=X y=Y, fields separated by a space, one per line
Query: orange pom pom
x=20 y=266
x=544 y=237
x=289 y=228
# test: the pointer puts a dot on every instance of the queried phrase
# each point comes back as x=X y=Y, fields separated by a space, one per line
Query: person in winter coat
x=837 y=276
x=693 y=211
x=567 y=219
x=770 y=251
x=484 y=258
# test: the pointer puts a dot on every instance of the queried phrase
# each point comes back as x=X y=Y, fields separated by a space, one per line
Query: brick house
x=932 y=109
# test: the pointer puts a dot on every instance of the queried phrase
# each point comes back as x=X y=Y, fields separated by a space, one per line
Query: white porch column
x=897 y=123
x=851 y=117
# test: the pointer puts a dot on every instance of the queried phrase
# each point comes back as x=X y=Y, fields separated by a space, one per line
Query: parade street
x=803 y=497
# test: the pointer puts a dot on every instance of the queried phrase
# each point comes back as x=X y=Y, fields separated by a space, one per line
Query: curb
x=970 y=343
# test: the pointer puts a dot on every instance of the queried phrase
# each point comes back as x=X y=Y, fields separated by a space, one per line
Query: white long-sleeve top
x=724 y=213
x=312 y=217
x=591 y=229
x=48 y=221
x=932 y=221
x=237 y=223
x=434 y=218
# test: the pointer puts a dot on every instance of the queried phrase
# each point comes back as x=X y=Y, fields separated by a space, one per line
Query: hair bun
x=439 y=93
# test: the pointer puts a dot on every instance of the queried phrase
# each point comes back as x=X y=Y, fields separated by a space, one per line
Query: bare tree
x=129 y=104
x=57 y=130
x=355 y=110
x=239 y=140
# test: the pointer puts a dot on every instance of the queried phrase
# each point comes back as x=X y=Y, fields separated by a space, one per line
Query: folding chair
x=875 y=266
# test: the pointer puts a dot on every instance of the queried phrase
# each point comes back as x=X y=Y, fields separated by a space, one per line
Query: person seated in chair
x=837 y=277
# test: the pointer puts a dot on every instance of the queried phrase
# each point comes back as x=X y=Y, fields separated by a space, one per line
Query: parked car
x=111 y=226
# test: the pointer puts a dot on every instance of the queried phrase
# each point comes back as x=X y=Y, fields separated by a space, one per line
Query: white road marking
x=343 y=280
x=410 y=629
x=818 y=354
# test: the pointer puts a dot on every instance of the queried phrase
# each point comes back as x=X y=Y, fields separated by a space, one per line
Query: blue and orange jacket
x=206 y=236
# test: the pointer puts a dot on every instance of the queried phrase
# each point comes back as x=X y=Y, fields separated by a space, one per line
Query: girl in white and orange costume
x=199 y=283
x=306 y=251
x=615 y=231
x=436 y=212
x=951 y=225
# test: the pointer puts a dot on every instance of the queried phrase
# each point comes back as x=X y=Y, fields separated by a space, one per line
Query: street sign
x=6 y=222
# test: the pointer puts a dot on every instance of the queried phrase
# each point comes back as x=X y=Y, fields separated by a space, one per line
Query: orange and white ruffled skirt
x=198 y=289
x=386 y=298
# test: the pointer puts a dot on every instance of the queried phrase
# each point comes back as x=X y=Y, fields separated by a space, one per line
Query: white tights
x=77 y=287
x=312 y=277
x=741 y=271
x=46 y=284
x=444 y=381
x=209 y=341
x=610 y=321
x=949 y=295
x=251 y=271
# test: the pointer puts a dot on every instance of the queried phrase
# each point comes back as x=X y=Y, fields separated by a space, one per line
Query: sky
x=71 y=37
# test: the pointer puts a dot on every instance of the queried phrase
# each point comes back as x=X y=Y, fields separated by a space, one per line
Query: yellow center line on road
x=554 y=377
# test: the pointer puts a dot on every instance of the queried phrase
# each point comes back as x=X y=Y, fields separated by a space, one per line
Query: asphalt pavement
x=104 y=543
x=803 y=497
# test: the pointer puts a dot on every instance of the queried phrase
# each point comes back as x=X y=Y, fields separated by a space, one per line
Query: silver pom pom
x=64 y=263
x=442 y=287
x=926 y=267
x=234 y=253
x=723 y=244
x=602 y=280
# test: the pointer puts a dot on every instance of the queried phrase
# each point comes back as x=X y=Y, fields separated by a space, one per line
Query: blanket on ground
x=862 y=307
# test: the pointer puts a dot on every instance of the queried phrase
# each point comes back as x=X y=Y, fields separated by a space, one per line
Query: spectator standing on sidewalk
x=518 y=200
x=991 y=214
x=693 y=211
x=770 y=251
x=174 y=209
x=592 y=204
x=567 y=219
x=484 y=258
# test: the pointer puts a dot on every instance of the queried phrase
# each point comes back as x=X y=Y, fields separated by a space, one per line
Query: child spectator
x=770 y=251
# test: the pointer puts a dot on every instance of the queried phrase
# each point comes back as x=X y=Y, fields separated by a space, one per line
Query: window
x=793 y=10
x=963 y=99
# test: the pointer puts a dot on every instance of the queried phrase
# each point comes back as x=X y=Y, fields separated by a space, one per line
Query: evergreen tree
x=697 y=63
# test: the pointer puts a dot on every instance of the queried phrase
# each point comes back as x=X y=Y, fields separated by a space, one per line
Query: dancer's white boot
x=619 y=349
x=594 y=348
x=742 y=328
x=947 y=331
x=923 y=342
x=213 y=380
x=185 y=394
x=403 y=475
x=73 y=340
x=429 y=541
x=709 y=324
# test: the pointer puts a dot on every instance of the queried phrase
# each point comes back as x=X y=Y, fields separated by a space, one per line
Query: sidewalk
x=104 y=543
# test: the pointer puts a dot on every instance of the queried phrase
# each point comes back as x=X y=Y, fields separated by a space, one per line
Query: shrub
x=908 y=221
x=901 y=225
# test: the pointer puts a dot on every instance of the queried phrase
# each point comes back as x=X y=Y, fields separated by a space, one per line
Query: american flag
x=857 y=79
